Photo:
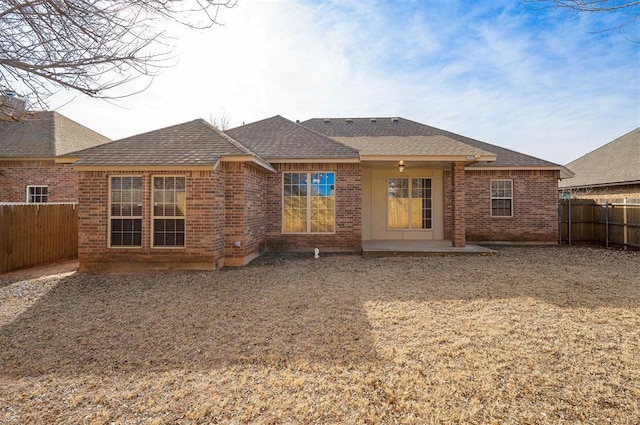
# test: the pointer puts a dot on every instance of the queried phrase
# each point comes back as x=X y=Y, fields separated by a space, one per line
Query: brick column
x=459 y=225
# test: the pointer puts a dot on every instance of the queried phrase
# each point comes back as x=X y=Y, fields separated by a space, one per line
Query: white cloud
x=536 y=84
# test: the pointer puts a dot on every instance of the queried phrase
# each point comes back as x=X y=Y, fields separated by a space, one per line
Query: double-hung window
x=125 y=212
x=37 y=194
x=502 y=198
x=169 y=208
x=308 y=203
x=409 y=203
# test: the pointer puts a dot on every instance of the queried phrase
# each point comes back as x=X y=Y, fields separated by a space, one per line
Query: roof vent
x=349 y=120
x=394 y=119
x=326 y=120
x=373 y=119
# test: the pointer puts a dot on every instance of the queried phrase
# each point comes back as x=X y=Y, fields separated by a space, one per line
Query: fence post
x=625 y=228
x=606 y=223
x=569 y=223
x=559 y=221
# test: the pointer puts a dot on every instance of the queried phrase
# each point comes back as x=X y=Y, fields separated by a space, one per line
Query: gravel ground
x=532 y=335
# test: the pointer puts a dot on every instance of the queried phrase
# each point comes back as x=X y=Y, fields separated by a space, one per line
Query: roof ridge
x=60 y=120
x=227 y=137
x=155 y=130
x=256 y=122
x=54 y=131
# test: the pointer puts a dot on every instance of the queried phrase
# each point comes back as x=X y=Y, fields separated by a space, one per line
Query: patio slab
x=417 y=248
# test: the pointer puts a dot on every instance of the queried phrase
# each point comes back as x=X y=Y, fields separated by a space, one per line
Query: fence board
x=592 y=222
x=36 y=234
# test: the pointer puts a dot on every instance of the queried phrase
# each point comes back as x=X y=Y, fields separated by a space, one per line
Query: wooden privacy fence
x=36 y=234
x=609 y=224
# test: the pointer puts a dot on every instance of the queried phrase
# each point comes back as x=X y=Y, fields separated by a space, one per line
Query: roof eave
x=565 y=173
x=67 y=159
x=28 y=158
x=248 y=158
x=597 y=185
x=143 y=167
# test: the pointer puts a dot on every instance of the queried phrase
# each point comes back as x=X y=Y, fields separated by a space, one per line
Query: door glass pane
x=398 y=203
x=409 y=203
x=421 y=204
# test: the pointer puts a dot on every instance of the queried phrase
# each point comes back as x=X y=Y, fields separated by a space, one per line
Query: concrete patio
x=418 y=248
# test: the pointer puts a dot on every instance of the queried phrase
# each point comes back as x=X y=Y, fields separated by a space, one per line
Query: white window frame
x=410 y=188
x=37 y=186
x=165 y=217
x=132 y=217
x=308 y=203
x=492 y=197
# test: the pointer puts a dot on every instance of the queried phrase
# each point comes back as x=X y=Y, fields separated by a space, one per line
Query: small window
x=37 y=194
x=169 y=205
x=125 y=212
x=501 y=198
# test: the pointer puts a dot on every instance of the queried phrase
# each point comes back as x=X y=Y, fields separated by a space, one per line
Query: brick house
x=32 y=163
x=609 y=173
x=192 y=197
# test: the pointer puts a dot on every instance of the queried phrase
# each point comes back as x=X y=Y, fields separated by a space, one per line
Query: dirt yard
x=530 y=336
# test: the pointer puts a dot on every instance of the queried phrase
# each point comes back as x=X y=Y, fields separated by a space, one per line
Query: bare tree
x=90 y=46
x=220 y=121
x=626 y=11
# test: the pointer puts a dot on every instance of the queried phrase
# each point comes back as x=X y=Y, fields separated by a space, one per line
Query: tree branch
x=90 y=46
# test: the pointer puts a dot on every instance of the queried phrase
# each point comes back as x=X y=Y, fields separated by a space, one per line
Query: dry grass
x=534 y=335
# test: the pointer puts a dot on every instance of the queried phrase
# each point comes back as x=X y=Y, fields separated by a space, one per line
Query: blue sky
x=514 y=74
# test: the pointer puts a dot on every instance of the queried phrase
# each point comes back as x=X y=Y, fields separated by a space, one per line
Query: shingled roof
x=192 y=143
x=436 y=146
x=45 y=135
x=616 y=163
x=278 y=138
x=390 y=130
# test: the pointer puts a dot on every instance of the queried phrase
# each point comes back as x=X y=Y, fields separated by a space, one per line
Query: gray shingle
x=279 y=138
x=192 y=143
x=617 y=162
x=410 y=145
x=45 y=135
x=401 y=127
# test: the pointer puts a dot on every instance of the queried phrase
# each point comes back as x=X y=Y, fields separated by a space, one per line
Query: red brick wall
x=15 y=176
x=348 y=192
x=458 y=206
x=535 y=208
x=204 y=225
x=245 y=217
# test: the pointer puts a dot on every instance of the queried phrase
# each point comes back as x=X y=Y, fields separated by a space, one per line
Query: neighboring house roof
x=278 y=138
x=390 y=130
x=192 y=143
x=45 y=135
x=616 y=163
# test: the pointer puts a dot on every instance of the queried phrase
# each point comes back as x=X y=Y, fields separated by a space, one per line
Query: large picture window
x=125 y=212
x=409 y=203
x=308 y=203
x=169 y=208
x=501 y=198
